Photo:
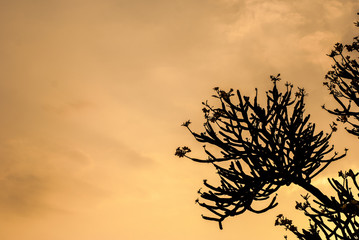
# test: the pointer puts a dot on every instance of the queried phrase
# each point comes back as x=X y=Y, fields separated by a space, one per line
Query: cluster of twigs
x=337 y=223
x=265 y=148
x=343 y=83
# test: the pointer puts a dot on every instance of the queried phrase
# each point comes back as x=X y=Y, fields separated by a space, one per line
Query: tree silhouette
x=333 y=223
x=256 y=150
x=259 y=150
x=343 y=223
x=343 y=83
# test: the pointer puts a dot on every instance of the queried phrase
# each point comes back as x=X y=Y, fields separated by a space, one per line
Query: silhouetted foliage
x=256 y=150
x=262 y=148
x=341 y=222
x=343 y=83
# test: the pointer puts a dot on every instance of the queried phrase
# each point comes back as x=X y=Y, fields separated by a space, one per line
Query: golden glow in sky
x=93 y=94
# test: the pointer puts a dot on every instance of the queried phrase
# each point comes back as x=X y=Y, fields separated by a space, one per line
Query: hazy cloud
x=93 y=94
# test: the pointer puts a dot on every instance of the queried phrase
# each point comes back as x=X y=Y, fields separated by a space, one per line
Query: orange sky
x=93 y=94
